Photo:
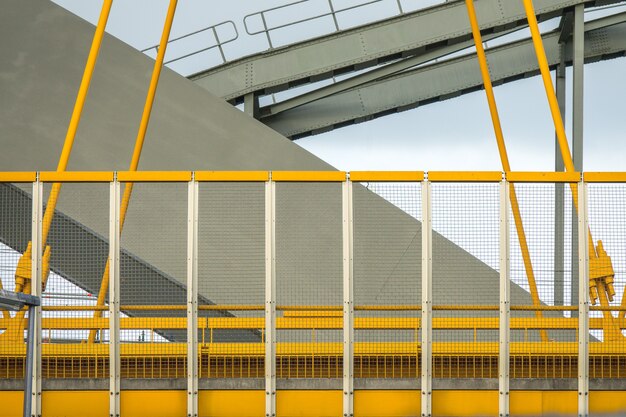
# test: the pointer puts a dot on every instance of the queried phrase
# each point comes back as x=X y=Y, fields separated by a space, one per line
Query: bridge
x=245 y=276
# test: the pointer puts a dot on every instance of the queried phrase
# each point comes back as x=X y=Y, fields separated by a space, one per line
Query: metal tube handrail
x=333 y=12
x=218 y=42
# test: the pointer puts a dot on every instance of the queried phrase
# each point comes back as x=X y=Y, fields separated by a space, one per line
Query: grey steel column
x=270 y=298
x=505 y=304
x=583 y=303
x=348 y=300
x=577 y=126
x=559 y=209
x=192 y=299
x=114 y=299
x=32 y=389
x=427 y=301
x=251 y=105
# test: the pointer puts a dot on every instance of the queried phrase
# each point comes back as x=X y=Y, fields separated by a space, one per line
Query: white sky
x=452 y=135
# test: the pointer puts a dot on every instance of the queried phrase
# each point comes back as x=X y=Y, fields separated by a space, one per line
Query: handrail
x=218 y=42
x=332 y=12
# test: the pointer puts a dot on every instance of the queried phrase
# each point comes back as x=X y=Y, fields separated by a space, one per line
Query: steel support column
x=348 y=300
x=505 y=303
x=578 y=46
x=192 y=299
x=427 y=301
x=270 y=299
x=559 y=209
x=583 y=302
x=114 y=299
x=34 y=330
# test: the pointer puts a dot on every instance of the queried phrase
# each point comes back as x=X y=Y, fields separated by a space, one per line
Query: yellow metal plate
x=387 y=176
x=309 y=176
x=605 y=176
x=231 y=176
x=464 y=176
x=154 y=176
x=18 y=176
x=543 y=176
x=76 y=176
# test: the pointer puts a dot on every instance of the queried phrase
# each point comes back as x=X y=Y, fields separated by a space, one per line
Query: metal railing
x=333 y=12
x=219 y=43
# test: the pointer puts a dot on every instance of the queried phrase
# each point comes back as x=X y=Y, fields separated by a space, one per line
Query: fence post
x=192 y=298
x=427 y=301
x=583 y=302
x=114 y=298
x=348 y=300
x=505 y=303
x=270 y=298
x=36 y=290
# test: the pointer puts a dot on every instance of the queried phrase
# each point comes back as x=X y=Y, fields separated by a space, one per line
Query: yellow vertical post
x=497 y=127
x=612 y=331
x=23 y=274
x=139 y=141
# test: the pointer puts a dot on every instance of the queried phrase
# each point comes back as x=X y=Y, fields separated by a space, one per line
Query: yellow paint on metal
x=308 y=403
x=228 y=176
x=551 y=177
x=76 y=176
x=154 y=176
x=139 y=141
x=367 y=403
x=309 y=176
x=604 y=177
x=18 y=176
x=464 y=176
x=387 y=176
x=234 y=403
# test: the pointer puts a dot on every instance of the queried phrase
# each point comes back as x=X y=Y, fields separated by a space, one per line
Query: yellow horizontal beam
x=387 y=176
x=605 y=176
x=232 y=176
x=543 y=176
x=464 y=176
x=154 y=176
x=18 y=176
x=309 y=176
x=76 y=176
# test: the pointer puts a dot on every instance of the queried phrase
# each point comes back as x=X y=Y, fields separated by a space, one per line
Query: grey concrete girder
x=368 y=45
x=605 y=39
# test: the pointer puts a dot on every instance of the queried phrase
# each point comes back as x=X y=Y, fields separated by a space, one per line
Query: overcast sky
x=451 y=135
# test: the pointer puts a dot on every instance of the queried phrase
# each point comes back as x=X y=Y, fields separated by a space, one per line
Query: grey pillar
x=251 y=105
x=559 y=225
x=577 y=128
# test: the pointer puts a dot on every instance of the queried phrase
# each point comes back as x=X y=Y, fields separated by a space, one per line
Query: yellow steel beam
x=309 y=176
x=539 y=177
x=76 y=176
x=604 y=177
x=497 y=127
x=387 y=176
x=18 y=176
x=228 y=176
x=464 y=176
x=154 y=176
x=139 y=141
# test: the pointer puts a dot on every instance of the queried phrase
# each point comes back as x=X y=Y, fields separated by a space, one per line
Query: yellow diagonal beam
x=139 y=141
x=504 y=158
x=612 y=332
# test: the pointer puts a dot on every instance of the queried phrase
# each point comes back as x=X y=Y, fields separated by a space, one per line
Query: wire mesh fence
x=309 y=268
x=607 y=265
x=15 y=237
x=465 y=280
x=231 y=268
x=387 y=279
x=153 y=271
x=543 y=335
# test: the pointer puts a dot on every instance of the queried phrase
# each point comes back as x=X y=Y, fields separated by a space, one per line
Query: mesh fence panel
x=15 y=235
x=231 y=270
x=607 y=223
x=78 y=246
x=543 y=336
x=309 y=280
x=465 y=280
x=153 y=274
x=387 y=279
